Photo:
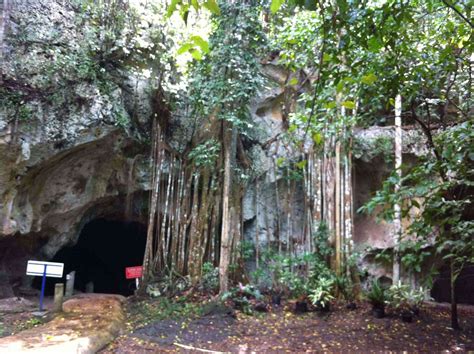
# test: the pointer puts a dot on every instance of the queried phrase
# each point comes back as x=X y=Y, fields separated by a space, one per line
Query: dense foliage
x=228 y=78
x=345 y=63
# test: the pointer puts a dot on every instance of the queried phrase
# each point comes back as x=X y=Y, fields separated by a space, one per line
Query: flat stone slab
x=88 y=323
x=16 y=304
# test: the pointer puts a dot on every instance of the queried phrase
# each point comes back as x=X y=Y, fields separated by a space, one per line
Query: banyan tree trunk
x=229 y=142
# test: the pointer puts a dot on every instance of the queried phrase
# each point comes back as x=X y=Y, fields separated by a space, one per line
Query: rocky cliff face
x=67 y=151
x=268 y=198
x=71 y=152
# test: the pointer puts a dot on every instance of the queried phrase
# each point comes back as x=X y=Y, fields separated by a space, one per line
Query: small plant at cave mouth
x=241 y=297
x=210 y=277
x=403 y=298
x=345 y=287
x=377 y=297
x=321 y=296
x=162 y=308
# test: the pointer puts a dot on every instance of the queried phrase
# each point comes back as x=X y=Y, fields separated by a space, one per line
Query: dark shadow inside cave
x=104 y=249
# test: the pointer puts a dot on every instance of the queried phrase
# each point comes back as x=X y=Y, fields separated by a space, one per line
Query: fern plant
x=376 y=295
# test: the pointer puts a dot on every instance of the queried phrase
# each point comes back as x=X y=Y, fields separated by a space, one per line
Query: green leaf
x=196 y=54
x=342 y=4
x=301 y=164
x=195 y=4
x=184 y=48
x=317 y=138
x=330 y=105
x=201 y=43
x=172 y=7
x=280 y=161
x=275 y=5
x=348 y=104
x=212 y=6
x=374 y=44
x=369 y=79
x=185 y=14
x=293 y=81
x=326 y=57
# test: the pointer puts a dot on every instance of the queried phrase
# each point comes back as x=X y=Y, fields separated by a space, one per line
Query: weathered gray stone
x=58 y=297
x=62 y=165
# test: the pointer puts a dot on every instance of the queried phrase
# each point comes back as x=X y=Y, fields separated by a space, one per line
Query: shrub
x=376 y=295
x=321 y=295
x=210 y=277
x=344 y=287
x=241 y=296
x=403 y=297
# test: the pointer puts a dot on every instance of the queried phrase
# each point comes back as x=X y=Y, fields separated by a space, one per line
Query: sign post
x=44 y=269
x=134 y=273
x=43 y=284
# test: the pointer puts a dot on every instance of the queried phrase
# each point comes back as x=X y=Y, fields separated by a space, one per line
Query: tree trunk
x=337 y=208
x=155 y=183
x=194 y=241
x=230 y=134
x=3 y=28
x=257 y=229
x=454 y=304
x=397 y=222
x=277 y=205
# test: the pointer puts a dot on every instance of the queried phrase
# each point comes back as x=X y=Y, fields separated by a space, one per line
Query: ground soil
x=16 y=314
x=280 y=330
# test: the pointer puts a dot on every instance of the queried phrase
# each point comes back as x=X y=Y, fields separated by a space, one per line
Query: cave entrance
x=104 y=249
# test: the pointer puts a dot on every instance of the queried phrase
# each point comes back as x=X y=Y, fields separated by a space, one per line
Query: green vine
x=227 y=78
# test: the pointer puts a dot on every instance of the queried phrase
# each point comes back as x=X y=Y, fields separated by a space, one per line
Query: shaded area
x=464 y=286
x=104 y=249
x=14 y=254
x=207 y=329
x=282 y=331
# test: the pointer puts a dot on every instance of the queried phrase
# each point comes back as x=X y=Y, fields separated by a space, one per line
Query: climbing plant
x=224 y=82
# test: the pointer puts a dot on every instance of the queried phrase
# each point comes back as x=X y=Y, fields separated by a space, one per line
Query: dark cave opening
x=104 y=249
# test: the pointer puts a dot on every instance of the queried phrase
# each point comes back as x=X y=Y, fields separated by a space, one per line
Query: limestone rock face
x=66 y=158
x=267 y=201
x=66 y=155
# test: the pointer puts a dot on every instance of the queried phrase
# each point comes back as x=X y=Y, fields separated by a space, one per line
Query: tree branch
x=429 y=137
x=452 y=7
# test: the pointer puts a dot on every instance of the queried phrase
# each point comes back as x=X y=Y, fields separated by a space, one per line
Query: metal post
x=43 y=284
x=137 y=282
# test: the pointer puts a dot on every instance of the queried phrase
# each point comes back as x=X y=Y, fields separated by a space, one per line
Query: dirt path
x=89 y=322
x=281 y=331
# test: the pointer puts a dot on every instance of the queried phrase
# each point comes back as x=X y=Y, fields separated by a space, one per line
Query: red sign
x=133 y=272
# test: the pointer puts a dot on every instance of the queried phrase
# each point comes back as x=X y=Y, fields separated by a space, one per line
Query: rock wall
x=67 y=157
x=372 y=163
x=62 y=163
